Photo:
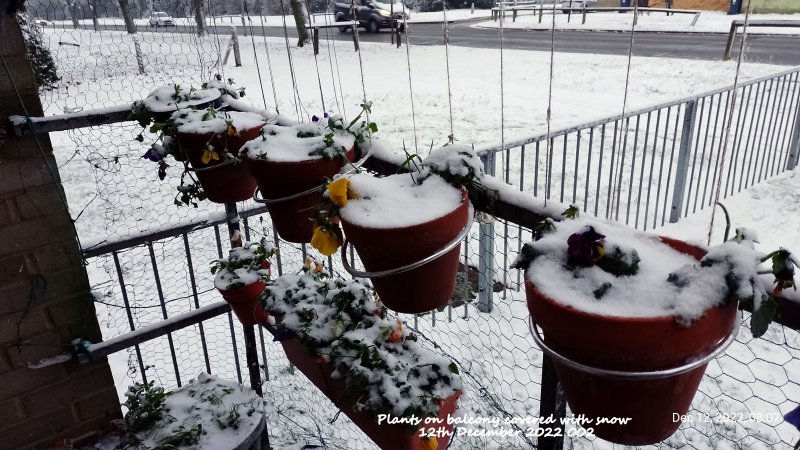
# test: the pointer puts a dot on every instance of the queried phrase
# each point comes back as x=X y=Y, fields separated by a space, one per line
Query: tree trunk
x=93 y=7
x=199 y=18
x=131 y=27
x=73 y=11
x=300 y=22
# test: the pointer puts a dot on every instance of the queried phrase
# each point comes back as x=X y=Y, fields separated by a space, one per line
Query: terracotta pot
x=630 y=344
x=244 y=301
x=293 y=219
x=228 y=183
x=386 y=436
x=418 y=290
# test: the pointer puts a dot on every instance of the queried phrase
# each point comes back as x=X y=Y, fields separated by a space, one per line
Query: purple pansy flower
x=585 y=248
x=314 y=119
x=153 y=155
x=325 y=115
x=793 y=417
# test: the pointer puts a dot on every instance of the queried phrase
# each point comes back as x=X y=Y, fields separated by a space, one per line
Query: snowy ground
x=117 y=191
x=709 y=22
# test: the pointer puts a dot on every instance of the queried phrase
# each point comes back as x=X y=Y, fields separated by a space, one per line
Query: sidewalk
x=709 y=22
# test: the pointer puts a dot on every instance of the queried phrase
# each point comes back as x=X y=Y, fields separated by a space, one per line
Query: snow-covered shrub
x=44 y=66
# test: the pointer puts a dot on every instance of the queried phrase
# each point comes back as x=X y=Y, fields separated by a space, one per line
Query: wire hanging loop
x=353 y=167
x=227 y=162
x=632 y=375
x=419 y=263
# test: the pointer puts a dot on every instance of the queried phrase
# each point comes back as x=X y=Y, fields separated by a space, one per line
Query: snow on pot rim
x=648 y=294
x=163 y=99
x=189 y=121
x=298 y=143
x=244 y=265
x=398 y=201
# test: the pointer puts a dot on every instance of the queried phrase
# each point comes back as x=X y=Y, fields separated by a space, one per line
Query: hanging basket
x=223 y=180
x=292 y=191
x=413 y=269
x=644 y=369
x=386 y=436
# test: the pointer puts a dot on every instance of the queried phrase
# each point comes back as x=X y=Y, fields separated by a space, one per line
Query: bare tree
x=124 y=8
x=199 y=18
x=93 y=7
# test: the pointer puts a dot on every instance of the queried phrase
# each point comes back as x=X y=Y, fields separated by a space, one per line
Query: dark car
x=372 y=14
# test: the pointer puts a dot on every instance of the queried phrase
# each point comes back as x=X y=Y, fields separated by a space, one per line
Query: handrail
x=735 y=24
x=632 y=113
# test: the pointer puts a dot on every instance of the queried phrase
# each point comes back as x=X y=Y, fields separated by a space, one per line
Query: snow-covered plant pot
x=241 y=278
x=210 y=140
x=634 y=304
x=343 y=340
x=287 y=161
x=407 y=228
x=159 y=105
x=207 y=412
x=394 y=222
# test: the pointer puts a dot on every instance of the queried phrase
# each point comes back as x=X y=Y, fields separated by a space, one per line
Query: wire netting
x=115 y=195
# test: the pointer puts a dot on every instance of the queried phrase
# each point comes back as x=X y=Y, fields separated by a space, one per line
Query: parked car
x=373 y=14
x=566 y=5
x=161 y=19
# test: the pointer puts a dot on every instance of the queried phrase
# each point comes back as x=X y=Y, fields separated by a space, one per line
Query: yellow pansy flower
x=230 y=130
x=324 y=241
x=337 y=191
x=430 y=443
x=209 y=154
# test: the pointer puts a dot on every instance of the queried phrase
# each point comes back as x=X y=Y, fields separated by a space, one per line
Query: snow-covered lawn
x=709 y=22
x=120 y=196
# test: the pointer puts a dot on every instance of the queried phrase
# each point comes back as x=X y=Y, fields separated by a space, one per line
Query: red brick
x=82 y=435
x=56 y=258
x=13 y=44
x=66 y=284
x=23 y=326
x=71 y=310
x=5 y=363
x=39 y=201
x=104 y=403
x=24 y=380
x=21 y=73
x=74 y=389
x=5 y=216
x=14 y=269
x=36 y=429
x=10 y=413
x=35 y=349
x=31 y=234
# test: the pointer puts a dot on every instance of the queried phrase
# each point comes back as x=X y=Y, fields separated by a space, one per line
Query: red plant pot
x=418 y=290
x=244 y=303
x=294 y=219
x=228 y=183
x=630 y=344
x=387 y=436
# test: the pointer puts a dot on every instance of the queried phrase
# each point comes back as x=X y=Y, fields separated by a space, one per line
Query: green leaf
x=763 y=316
x=453 y=368
x=373 y=127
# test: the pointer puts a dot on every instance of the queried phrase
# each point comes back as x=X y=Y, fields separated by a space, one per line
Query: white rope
x=269 y=63
x=330 y=65
x=358 y=46
x=548 y=146
x=615 y=193
x=295 y=91
x=410 y=87
x=730 y=120
x=315 y=39
x=502 y=84
x=452 y=138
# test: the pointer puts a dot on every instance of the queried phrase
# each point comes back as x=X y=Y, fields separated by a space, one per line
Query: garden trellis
x=498 y=358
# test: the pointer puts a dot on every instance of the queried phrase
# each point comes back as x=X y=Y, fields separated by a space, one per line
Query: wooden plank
x=61 y=122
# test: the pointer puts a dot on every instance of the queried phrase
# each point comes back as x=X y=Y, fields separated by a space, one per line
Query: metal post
x=251 y=350
x=472 y=8
x=486 y=249
x=552 y=404
x=794 y=143
x=235 y=41
x=682 y=169
x=729 y=45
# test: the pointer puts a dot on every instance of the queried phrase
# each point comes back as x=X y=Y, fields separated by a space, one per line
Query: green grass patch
x=775 y=6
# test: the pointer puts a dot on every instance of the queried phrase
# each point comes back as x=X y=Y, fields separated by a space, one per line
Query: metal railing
x=663 y=162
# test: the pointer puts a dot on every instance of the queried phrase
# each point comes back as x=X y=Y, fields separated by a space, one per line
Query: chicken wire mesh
x=114 y=195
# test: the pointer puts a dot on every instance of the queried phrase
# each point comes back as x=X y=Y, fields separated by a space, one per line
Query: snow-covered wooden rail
x=515 y=7
x=736 y=24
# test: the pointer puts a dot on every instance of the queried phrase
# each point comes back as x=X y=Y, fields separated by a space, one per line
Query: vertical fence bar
x=128 y=312
x=788 y=135
x=552 y=404
x=781 y=146
x=769 y=145
x=683 y=160
x=641 y=172
x=230 y=315
x=794 y=143
x=703 y=152
x=661 y=169
x=717 y=171
x=193 y=283
x=250 y=347
x=694 y=153
x=633 y=170
x=765 y=129
x=753 y=118
x=486 y=249
x=650 y=177
x=737 y=140
x=157 y=279
x=599 y=168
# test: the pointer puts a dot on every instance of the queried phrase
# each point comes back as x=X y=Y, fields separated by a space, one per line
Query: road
x=763 y=49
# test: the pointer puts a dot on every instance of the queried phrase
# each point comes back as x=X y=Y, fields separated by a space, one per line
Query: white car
x=566 y=5
x=161 y=19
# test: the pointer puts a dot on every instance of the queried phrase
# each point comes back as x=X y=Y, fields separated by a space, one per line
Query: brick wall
x=39 y=255
x=712 y=5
